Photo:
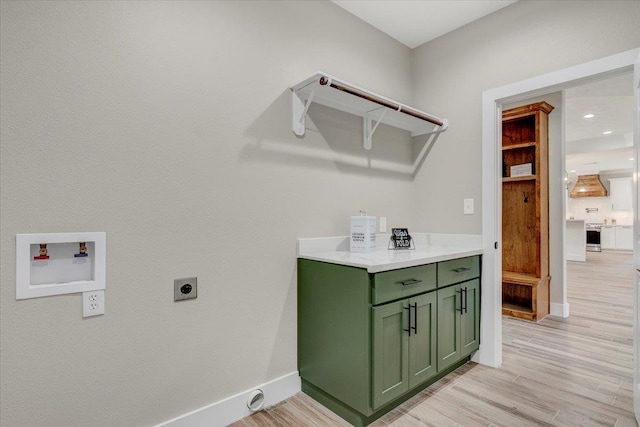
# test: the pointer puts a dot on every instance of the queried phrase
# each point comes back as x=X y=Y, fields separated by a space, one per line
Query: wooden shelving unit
x=525 y=212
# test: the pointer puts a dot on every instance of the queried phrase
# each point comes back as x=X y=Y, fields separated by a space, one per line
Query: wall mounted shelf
x=332 y=92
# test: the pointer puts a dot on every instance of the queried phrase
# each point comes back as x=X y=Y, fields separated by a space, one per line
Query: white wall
x=524 y=40
x=168 y=125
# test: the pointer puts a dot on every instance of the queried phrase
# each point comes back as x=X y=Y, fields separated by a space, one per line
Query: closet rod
x=399 y=107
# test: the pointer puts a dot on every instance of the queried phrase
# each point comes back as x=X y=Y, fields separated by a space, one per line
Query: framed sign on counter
x=400 y=239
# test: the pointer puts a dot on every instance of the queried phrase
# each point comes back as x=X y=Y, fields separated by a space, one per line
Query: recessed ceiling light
x=589 y=116
x=607 y=132
x=630 y=158
x=573 y=170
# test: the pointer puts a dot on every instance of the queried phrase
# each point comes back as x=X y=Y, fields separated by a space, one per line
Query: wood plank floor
x=557 y=372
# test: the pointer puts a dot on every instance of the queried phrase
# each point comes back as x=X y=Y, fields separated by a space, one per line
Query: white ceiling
x=588 y=150
x=414 y=22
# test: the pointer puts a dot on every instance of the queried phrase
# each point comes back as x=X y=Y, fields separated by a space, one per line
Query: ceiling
x=588 y=150
x=414 y=22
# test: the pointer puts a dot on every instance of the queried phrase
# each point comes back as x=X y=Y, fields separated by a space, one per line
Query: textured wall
x=521 y=41
x=168 y=125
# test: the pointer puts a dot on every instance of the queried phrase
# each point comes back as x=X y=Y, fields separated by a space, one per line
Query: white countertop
x=430 y=248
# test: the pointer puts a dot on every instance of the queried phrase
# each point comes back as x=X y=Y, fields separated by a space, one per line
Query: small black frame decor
x=400 y=239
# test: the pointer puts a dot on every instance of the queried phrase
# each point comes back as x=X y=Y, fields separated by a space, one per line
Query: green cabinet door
x=403 y=360
x=449 y=303
x=422 y=343
x=470 y=318
x=390 y=351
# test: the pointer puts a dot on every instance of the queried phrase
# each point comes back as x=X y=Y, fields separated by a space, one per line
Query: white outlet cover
x=92 y=303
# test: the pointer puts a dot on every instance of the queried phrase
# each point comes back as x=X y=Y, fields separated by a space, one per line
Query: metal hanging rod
x=398 y=107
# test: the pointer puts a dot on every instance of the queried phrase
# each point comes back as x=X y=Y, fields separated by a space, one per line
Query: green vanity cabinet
x=470 y=319
x=369 y=341
x=404 y=350
x=334 y=334
x=458 y=322
x=448 y=326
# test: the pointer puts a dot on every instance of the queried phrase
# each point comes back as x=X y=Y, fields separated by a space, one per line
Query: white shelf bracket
x=368 y=130
x=299 y=110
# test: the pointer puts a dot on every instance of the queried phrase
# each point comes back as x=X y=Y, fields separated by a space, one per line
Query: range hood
x=588 y=186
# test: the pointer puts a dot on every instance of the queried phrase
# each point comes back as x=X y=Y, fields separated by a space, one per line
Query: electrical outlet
x=186 y=288
x=92 y=303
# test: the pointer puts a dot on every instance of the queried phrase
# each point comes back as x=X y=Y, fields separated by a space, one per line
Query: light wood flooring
x=557 y=372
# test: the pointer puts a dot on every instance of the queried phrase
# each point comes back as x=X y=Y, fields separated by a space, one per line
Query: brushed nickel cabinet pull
x=461 y=269
x=410 y=282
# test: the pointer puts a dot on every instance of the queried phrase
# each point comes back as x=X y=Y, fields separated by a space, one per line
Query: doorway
x=491 y=324
x=490 y=352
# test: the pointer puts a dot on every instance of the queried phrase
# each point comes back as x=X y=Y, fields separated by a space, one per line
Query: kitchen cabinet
x=369 y=341
x=458 y=320
x=616 y=237
x=624 y=237
x=608 y=237
x=470 y=318
x=404 y=347
x=620 y=194
x=575 y=240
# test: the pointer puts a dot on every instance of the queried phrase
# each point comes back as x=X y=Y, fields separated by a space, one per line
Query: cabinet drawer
x=458 y=270
x=395 y=284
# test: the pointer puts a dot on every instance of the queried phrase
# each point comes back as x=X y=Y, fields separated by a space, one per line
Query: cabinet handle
x=461 y=269
x=409 y=320
x=415 y=317
x=466 y=306
x=461 y=306
x=410 y=282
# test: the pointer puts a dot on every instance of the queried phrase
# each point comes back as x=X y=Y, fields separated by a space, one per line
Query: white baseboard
x=234 y=408
x=559 y=310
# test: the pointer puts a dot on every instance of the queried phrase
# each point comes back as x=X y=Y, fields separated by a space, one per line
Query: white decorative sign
x=521 y=170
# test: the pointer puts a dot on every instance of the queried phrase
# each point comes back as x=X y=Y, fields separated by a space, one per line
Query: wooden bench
x=525 y=296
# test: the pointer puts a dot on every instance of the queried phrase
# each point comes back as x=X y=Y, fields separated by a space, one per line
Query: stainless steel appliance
x=593 y=237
